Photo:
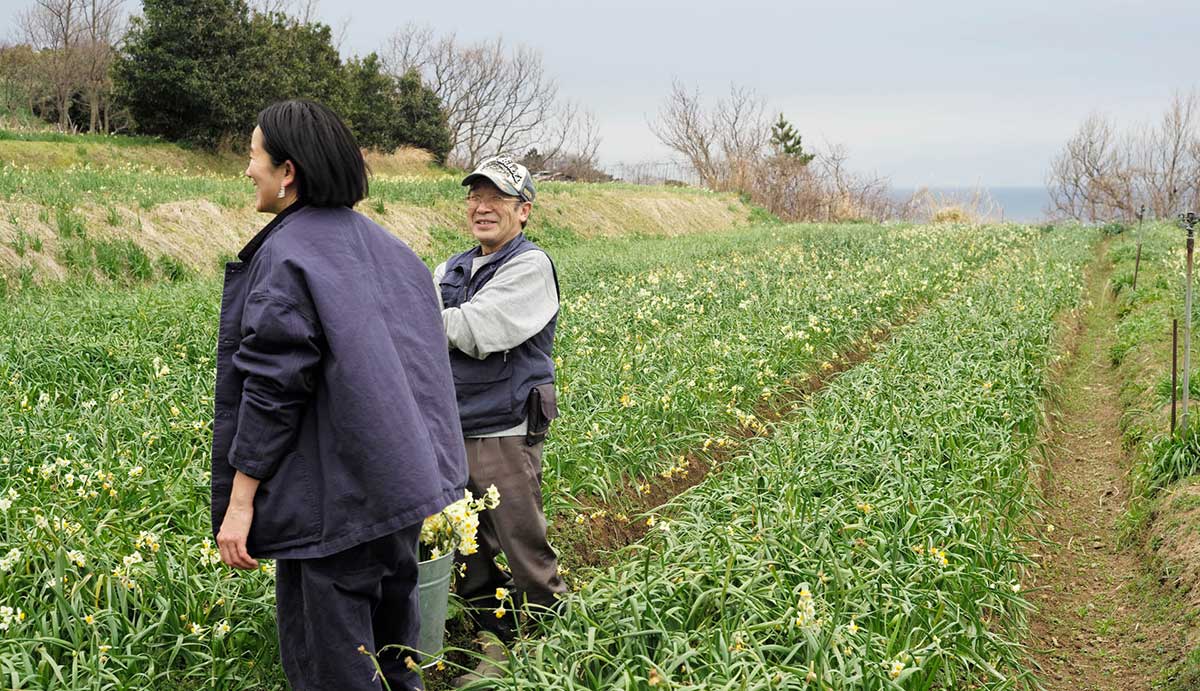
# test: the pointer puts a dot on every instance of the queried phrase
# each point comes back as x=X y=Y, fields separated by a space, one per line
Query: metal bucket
x=433 y=585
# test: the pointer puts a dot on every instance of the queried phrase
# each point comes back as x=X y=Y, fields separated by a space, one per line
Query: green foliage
x=386 y=113
x=1185 y=676
x=79 y=138
x=761 y=217
x=875 y=540
x=371 y=106
x=172 y=269
x=188 y=70
x=420 y=111
x=785 y=141
x=69 y=224
x=294 y=60
x=77 y=256
x=20 y=243
x=1142 y=352
x=549 y=236
x=199 y=71
x=120 y=261
x=1170 y=459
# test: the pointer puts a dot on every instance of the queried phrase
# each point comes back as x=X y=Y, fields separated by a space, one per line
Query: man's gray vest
x=492 y=392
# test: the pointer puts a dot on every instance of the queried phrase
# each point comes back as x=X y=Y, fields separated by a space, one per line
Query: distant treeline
x=1108 y=172
x=198 y=71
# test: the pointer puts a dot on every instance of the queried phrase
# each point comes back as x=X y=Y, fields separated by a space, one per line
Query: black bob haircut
x=330 y=170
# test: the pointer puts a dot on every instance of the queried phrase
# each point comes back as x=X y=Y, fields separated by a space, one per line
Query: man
x=499 y=308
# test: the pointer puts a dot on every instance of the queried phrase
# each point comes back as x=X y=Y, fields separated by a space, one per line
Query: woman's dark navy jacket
x=333 y=387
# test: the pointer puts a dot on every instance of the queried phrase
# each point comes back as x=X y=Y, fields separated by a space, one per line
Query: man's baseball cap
x=510 y=177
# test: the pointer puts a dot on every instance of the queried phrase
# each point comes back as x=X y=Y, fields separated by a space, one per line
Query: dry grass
x=970 y=206
x=200 y=232
x=405 y=161
x=418 y=201
x=116 y=151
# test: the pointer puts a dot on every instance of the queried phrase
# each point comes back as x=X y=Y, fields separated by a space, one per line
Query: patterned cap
x=510 y=177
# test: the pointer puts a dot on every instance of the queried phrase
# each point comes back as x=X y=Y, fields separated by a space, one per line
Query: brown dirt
x=1174 y=541
x=611 y=525
x=1099 y=623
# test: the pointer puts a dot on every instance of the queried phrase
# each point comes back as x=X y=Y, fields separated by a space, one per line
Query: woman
x=336 y=430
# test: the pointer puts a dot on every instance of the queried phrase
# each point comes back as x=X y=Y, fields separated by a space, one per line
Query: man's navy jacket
x=333 y=387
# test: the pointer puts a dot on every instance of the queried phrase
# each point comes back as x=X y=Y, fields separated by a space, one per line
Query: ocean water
x=1019 y=204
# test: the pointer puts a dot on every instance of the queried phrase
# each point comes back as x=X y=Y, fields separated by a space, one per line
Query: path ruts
x=1099 y=623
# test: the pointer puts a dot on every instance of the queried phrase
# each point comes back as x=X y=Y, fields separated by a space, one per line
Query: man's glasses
x=490 y=200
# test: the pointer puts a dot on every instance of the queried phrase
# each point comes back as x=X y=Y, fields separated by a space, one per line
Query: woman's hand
x=235 y=528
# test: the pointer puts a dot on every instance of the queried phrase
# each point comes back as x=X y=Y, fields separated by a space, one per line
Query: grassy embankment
x=128 y=209
x=1165 y=517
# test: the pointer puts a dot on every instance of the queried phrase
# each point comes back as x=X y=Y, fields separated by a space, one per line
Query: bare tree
x=411 y=47
x=1103 y=174
x=496 y=99
x=103 y=22
x=1166 y=162
x=728 y=148
x=743 y=133
x=1092 y=177
x=848 y=195
x=572 y=132
x=684 y=127
x=724 y=144
x=55 y=28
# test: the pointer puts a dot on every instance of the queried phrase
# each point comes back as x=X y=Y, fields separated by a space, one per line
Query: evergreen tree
x=296 y=60
x=785 y=141
x=186 y=71
x=422 y=117
x=200 y=70
x=371 y=109
x=386 y=113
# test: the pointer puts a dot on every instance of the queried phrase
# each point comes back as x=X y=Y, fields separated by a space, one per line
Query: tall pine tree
x=785 y=141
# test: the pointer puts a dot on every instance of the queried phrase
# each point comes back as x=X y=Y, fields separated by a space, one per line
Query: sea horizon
x=1021 y=204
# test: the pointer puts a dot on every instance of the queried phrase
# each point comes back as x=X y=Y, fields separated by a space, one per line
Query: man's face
x=495 y=217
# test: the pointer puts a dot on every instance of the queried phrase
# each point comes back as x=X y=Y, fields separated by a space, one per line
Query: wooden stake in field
x=1174 y=370
x=1137 y=263
x=1188 y=220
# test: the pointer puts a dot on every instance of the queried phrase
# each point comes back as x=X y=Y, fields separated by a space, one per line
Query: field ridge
x=1100 y=625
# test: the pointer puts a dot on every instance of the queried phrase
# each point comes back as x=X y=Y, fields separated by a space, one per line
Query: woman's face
x=268 y=178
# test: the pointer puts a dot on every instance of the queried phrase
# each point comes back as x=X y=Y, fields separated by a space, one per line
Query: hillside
x=117 y=208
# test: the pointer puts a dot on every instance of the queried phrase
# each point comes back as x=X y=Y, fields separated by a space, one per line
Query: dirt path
x=1100 y=624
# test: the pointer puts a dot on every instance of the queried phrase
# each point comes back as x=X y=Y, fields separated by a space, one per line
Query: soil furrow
x=1099 y=623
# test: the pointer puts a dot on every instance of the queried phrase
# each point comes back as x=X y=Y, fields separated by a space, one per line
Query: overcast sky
x=925 y=93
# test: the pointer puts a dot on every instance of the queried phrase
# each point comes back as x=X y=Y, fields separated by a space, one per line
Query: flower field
x=871 y=543
x=657 y=357
x=872 y=539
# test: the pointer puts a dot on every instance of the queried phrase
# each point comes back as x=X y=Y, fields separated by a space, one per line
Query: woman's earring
x=282 y=191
